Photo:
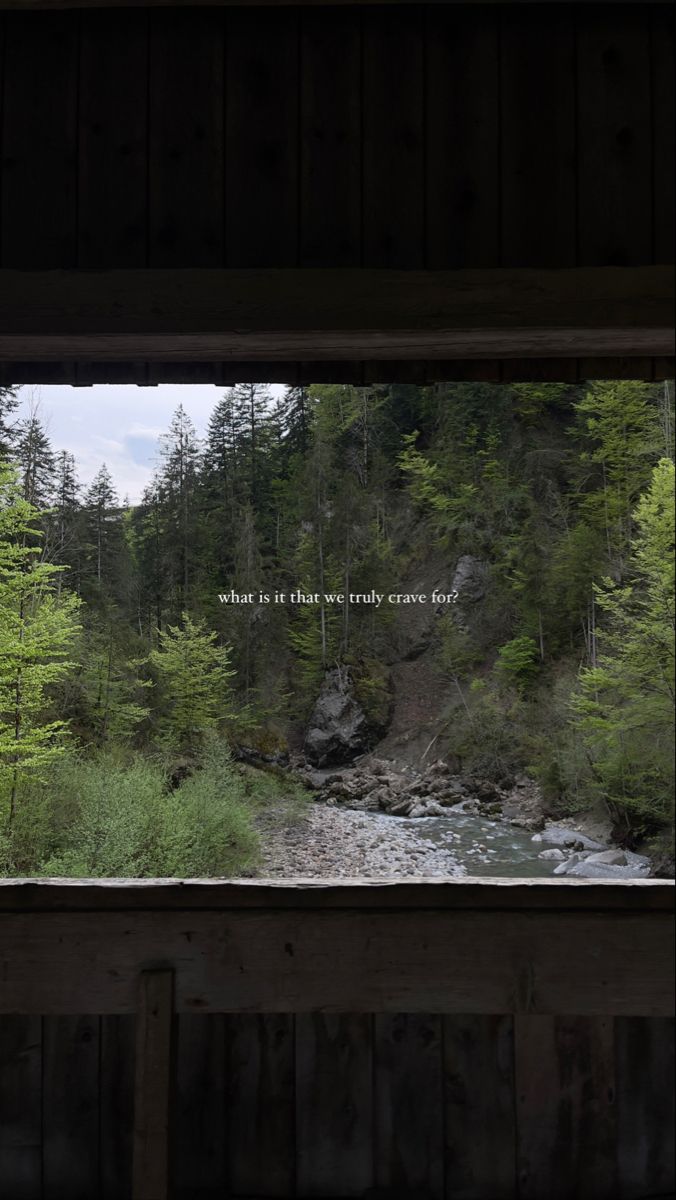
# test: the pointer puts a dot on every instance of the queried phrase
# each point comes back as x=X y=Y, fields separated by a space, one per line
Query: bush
x=103 y=817
x=207 y=826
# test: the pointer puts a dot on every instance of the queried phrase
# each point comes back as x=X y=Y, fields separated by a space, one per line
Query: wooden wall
x=384 y=1106
x=421 y=136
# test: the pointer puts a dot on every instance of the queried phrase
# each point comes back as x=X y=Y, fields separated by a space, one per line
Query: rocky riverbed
x=382 y=820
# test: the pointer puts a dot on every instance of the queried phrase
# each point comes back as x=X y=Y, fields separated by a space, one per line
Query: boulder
x=590 y=870
x=559 y=835
x=613 y=858
x=552 y=855
x=338 y=729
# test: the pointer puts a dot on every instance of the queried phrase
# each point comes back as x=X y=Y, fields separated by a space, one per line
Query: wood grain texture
x=333 y=961
x=199 y=1151
x=645 y=1106
x=408 y=1105
x=478 y=1058
x=116 y=1106
x=566 y=1113
x=262 y=139
x=39 y=141
x=113 y=129
x=393 y=146
x=186 y=159
x=153 y=1081
x=334 y=1104
x=375 y=314
x=261 y=1104
x=615 y=161
x=21 y=1106
x=385 y=895
x=70 y=1107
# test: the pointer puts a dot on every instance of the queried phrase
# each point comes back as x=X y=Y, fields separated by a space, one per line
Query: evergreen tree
x=36 y=462
x=37 y=629
x=9 y=402
x=103 y=528
x=177 y=481
x=195 y=673
x=625 y=709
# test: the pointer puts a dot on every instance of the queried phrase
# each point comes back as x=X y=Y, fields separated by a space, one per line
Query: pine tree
x=36 y=462
x=63 y=526
x=37 y=630
x=221 y=491
x=195 y=673
x=251 y=403
x=103 y=529
x=9 y=402
x=177 y=481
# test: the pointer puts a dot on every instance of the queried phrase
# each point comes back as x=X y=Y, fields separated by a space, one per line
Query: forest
x=143 y=720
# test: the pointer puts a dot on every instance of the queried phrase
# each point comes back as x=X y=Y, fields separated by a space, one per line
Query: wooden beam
x=152 y=1085
x=282 y=315
x=456 y=895
x=48 y=5
x=340 y=959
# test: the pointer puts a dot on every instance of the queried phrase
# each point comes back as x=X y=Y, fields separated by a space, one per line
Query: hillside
x=297 y=554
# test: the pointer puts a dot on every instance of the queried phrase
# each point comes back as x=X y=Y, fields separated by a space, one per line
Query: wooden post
x=152 y=1087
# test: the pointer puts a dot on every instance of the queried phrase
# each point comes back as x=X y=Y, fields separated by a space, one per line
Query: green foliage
x=37 y=629
x=625 y=707
x=121 y=818
x=207 y=824
x=518 y=662
x=195 y=674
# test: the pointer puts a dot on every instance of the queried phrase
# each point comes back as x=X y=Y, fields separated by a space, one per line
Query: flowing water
x=485 y=847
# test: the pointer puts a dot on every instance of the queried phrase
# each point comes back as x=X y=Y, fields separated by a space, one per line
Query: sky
x=118 y=425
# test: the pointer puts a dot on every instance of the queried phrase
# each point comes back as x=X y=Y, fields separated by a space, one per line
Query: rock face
x=469 y=579
x=338 y=729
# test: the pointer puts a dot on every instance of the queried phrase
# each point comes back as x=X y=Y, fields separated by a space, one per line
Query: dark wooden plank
x=566 y=1116
x=664 y=134
x=112 y=118
x=21 y=1107
x=479 y=1095
x=462 y=118
x=626 y=896
x=199 y=1141
x=330 y=139
x=334 y=1104
x=116 y=1106
x=540 y=370
x=344 y=961
x=330 y=151
x=408 y=1106
x=615 y=169
x=70 y=1108
x=645 y=1102
x=614 y=138
x=380 y=315
x=261 y=1116
x=39 y=141
x=262 y=139
x=538 y=178
x=153 y=1085
x=186 y=138
x=662 y=56
x=538 y=152
x=56 y=4
x=393 y=146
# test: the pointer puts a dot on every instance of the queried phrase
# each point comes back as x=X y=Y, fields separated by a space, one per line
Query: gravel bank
x=336 y=841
